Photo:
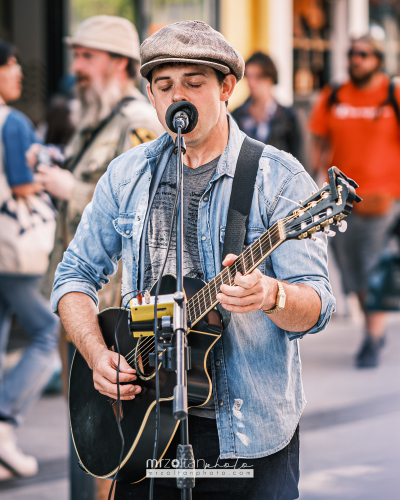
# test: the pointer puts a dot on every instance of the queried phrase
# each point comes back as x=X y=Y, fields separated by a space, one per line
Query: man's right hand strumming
x=105 y=376
x=79 y=317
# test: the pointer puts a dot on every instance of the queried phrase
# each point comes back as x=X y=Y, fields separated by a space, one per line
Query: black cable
x=117 y=323
x=119 y=318
x=155 y=448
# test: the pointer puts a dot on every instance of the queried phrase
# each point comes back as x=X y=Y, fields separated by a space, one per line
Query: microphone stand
x=180 y=328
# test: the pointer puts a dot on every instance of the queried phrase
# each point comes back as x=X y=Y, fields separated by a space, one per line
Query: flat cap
x=109 y=33
x=192 y=42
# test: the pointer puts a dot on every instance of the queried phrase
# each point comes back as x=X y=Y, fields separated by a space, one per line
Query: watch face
x=281 y=301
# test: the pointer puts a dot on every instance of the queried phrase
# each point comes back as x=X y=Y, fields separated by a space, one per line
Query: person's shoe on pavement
x=11 y=457
x=5 y=474
x=368 y=356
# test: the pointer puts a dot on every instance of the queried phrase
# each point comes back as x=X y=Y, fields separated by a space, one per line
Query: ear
x=150 y=95
x=227 y=87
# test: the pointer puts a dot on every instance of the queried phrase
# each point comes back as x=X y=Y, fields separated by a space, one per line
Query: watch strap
x=280 y=300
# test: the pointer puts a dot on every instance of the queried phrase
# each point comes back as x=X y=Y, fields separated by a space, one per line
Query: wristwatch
x=280 y=300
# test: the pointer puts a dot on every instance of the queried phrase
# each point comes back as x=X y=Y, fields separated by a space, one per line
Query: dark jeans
x=275 y=477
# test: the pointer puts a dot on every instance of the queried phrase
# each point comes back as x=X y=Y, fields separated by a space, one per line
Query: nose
x=77 y=64
x=179 y=93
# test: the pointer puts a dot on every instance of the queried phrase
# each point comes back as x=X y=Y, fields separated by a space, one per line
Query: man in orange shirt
x=356 y=127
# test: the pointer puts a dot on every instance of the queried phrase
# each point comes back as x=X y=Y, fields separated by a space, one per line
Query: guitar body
x=93 y=415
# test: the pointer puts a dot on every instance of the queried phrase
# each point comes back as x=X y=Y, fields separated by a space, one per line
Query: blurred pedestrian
x=111 y=116
x=261 y=117
x=19 y=289
x=356 y=128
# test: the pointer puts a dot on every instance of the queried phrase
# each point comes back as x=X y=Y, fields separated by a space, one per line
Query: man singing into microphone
x=255 y=366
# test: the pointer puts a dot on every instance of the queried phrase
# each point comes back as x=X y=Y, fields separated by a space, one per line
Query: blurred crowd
x=48 y=176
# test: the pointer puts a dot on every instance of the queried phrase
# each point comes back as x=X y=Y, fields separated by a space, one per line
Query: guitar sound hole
x=144 y=347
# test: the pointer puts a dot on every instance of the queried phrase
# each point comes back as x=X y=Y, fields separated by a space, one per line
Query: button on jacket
x=256 y=368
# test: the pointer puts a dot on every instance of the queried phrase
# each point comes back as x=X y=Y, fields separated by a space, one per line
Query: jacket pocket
x=124 y=226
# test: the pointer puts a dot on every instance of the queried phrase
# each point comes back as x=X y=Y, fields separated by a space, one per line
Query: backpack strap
x=242 y=196
x=393 y=101
x=333 y=97
x=97 y=131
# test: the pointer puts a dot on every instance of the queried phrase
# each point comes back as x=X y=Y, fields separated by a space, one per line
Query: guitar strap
x=242 y=196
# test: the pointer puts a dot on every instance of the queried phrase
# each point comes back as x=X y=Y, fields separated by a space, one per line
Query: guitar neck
x=204 y=300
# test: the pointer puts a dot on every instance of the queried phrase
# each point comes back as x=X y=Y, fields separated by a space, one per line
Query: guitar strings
x=149 y=344
x=256 y=253
x=249 y=251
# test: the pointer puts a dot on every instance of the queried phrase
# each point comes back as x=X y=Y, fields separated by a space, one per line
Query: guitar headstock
x=329 y=205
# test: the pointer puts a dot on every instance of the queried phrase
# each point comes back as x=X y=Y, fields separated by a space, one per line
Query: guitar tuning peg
x=329 y=233
x=342 y=226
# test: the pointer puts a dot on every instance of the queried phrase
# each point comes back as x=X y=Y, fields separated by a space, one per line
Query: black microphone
x=182 y=114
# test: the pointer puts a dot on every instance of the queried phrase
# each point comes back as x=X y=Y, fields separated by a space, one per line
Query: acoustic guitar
x=93 y=415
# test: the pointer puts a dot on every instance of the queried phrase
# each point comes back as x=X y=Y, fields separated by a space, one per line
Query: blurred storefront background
x=308 y=39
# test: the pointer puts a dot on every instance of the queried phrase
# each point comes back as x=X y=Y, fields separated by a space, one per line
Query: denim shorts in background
x=276 y=476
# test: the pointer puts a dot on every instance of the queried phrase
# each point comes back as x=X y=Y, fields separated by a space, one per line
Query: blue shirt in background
x=18 y=134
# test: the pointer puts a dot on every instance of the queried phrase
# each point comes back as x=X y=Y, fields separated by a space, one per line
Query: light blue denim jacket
x=256 y=368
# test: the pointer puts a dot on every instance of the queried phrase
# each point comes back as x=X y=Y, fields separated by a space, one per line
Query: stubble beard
x=95 y=103
x=362 y=81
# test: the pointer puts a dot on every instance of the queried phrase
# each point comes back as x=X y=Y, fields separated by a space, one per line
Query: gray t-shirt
x=195 y=182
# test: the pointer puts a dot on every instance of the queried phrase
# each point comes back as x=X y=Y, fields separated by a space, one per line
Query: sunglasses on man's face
x=360 y=53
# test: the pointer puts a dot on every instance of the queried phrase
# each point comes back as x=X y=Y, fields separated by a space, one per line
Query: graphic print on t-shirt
x=195 y=182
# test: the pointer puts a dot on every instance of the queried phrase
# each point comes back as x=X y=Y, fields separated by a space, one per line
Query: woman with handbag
x=27 y=224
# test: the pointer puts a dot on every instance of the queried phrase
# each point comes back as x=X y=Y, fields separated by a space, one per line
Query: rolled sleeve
x=328 y=304
x=94 y=252
x=63 y=288
x=303 y=262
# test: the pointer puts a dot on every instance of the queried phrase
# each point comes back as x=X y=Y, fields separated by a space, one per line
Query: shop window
x=163 y=12
x=311 y=45
x=82 y=9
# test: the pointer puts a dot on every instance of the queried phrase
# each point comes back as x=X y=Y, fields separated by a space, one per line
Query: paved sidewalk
x=350 y=438
x=44 y=435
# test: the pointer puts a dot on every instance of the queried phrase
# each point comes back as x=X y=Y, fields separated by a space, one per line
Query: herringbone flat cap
x=193 y=42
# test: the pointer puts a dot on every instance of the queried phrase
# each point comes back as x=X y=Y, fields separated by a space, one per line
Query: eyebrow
x=185 y=74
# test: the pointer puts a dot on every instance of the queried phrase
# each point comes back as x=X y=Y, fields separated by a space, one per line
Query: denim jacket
x=256 y=368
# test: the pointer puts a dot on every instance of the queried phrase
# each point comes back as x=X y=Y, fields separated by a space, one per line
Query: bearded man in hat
x=257 y=396
x=110 y=116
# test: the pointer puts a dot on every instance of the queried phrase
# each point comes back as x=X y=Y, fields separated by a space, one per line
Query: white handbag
x=27 y=226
